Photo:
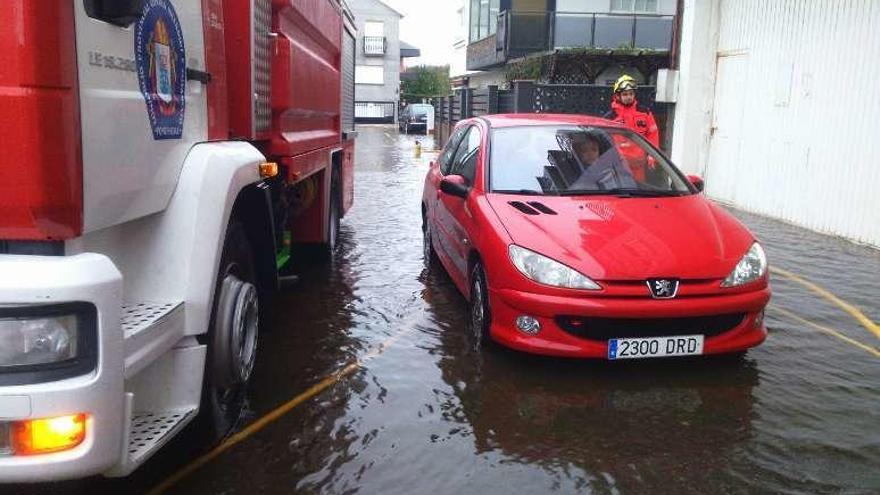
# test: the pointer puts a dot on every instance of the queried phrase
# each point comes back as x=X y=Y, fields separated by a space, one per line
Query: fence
x=374 y=111
x=529 y=97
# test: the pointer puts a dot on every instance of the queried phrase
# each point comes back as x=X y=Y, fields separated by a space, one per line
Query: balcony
x=523 y=33
x=375 y=46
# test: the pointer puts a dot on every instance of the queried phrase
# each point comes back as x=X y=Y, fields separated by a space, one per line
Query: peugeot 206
x=573 y=236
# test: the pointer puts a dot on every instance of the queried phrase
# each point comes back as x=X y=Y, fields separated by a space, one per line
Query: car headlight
x=547 y=271
x=751 y=267
x=36 y=341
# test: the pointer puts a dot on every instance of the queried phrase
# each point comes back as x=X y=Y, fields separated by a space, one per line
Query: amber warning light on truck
x=43 y=436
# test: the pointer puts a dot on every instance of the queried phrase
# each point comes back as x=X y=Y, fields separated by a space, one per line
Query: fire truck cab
x=160 y=158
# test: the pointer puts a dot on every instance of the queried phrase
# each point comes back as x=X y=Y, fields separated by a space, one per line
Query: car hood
x=612 y=238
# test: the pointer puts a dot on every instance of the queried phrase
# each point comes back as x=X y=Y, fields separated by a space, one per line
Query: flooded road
x=430 y=414
x=422 y=411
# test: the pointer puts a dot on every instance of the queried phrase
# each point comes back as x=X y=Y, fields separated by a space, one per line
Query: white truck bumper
x=29 y=281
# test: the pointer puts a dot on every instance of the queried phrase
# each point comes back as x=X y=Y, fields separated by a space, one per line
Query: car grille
x=615 y=328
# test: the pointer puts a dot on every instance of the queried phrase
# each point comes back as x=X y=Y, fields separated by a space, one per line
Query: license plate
x=679 y=345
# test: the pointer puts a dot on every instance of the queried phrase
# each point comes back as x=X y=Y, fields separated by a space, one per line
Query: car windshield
x=585 y=160
x=419 y=110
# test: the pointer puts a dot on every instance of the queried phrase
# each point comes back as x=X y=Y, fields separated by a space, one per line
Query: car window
x=449 y=150
x=580 y=160
x=465 y=162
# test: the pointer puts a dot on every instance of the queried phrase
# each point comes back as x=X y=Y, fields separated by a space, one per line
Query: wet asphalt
x=426 y=412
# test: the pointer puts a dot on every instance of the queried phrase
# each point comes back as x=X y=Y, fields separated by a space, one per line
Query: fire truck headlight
x=38 y=340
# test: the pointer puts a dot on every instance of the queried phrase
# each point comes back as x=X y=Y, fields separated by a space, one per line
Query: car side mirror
x=455 y=185
x=696 y=181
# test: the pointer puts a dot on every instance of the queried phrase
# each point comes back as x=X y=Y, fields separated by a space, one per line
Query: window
x=568 y=6
x=369 y=74
x=449 y=150
x=374 y=28
x=465 y=162
x=634 y=6
x=484 y=18
x=493 y=16
x=475 y=20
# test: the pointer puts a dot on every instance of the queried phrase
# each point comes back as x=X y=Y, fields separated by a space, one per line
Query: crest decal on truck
x=161 y=67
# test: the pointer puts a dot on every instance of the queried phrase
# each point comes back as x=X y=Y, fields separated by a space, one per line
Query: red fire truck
x=159 y=159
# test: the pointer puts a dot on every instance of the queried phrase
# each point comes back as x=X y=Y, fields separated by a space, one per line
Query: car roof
x=525 y=119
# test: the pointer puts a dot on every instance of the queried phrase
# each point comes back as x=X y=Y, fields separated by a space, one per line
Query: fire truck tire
x=231 y=338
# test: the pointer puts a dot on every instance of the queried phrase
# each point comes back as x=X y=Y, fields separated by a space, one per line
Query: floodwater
x=425 y=412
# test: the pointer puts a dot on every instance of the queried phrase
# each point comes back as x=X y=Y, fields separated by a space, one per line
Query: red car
x=573 y=236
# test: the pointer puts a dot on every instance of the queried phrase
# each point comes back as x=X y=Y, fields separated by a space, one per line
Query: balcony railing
x=631 y=31
x=522 y=33
x=375 y=46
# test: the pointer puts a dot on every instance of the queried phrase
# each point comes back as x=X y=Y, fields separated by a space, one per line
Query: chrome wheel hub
x=238 y=322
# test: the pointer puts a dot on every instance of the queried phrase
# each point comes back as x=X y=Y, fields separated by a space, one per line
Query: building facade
x=377 y=61
x=495 y=33
x=776 y=107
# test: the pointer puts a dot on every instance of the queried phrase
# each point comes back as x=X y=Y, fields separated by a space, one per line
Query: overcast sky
x=430 y=26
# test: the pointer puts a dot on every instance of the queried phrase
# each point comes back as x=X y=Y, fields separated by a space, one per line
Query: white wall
x=808 y=142
x=696 y=85
x=458 y=62
x=374 y=11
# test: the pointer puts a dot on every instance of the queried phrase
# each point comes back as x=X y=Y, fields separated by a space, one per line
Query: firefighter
x=626 y=110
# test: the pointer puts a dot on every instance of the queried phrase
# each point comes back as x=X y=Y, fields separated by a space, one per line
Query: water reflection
x=628 y=426
x=434 y=415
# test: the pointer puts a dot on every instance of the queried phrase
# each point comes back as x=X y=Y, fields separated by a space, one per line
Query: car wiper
x=524 y=192
x=622 y=193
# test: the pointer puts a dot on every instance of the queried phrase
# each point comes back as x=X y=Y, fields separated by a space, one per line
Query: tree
x=424 y=81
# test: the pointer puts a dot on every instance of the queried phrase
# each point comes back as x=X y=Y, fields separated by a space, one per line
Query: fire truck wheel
x=232 y=337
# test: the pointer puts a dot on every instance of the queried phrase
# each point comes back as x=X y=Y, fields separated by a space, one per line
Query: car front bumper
x=507 y=304
x=44 y=280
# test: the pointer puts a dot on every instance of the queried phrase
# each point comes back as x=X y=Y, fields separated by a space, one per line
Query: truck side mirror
x=118 y=12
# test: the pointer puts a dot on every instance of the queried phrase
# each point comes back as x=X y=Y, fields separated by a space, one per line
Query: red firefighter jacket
x=637 y=118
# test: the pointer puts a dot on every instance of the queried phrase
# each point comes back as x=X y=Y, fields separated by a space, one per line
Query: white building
x=777 y=106
x=377 y=61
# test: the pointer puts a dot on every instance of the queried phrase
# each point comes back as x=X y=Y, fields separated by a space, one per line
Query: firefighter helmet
x=625 y=82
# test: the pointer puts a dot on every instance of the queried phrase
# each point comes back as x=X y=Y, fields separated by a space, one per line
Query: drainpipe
x=675 y=50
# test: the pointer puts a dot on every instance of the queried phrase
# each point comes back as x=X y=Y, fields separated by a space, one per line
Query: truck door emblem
x=161 y=68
